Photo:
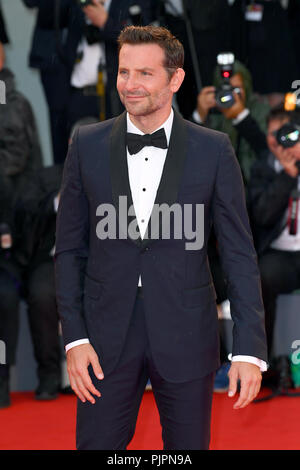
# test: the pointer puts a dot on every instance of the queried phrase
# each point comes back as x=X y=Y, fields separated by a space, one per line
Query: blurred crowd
x=242 y=62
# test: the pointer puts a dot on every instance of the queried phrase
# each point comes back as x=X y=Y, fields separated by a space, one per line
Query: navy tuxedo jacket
x=97 y=279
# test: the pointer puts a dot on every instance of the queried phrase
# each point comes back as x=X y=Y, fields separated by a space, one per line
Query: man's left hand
x=236 y=108
x=96 y=13
x=250 y=378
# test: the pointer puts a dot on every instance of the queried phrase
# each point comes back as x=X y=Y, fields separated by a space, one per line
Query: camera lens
x=288 y=135
x=224 y=98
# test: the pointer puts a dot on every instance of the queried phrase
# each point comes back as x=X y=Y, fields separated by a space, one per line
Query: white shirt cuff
x=76 y=343
x=253 y=360
x=197 y=117
x=240 y=117
x=55 y=203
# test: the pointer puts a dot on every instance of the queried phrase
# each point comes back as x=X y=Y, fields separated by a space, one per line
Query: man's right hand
x=78 y=360
x=288 y=160
x=205 y=101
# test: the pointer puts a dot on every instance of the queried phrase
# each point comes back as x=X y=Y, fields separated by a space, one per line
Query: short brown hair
x=278 y=113
x=172 y=47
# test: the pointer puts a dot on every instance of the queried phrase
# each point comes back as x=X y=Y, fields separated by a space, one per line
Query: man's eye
x=146 y=73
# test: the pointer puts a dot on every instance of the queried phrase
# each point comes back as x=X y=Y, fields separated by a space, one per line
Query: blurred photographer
x=74 y=47
x=274 y=209
x=228 y=102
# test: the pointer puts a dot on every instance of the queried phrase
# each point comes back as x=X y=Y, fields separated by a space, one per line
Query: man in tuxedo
x=138 y=301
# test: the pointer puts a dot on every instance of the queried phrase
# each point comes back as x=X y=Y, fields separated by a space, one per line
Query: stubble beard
x=146 y=107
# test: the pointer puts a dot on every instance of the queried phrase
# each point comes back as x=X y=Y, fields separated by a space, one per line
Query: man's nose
x=132 y=82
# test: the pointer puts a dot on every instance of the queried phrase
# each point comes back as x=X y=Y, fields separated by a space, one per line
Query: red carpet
x=32 y=425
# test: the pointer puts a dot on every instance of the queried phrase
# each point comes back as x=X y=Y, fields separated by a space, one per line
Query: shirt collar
x=167 y=125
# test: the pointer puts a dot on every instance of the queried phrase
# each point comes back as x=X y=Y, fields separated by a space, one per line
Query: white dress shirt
x=145 y=170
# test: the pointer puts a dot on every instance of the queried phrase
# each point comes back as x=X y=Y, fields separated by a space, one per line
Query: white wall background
x=20 y=22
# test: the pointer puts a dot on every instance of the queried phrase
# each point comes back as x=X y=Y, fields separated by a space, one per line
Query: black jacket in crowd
x=36 y=216
x=20 y=152
x=20 y=157
x=269 y=193
x=268 y=190
x=3 y=34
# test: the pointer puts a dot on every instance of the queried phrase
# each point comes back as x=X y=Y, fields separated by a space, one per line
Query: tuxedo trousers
x=184 y=408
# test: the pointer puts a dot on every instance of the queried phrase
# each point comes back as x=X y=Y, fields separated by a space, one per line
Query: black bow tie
x=136 y=142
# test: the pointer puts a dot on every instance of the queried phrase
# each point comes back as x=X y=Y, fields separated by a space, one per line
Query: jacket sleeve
x=238 y=256
x=72 y=232
x=251 y=132
x=269 y=194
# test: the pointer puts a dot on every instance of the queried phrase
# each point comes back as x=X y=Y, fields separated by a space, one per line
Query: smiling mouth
x=132 y=97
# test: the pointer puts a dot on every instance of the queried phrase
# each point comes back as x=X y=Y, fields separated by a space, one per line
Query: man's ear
x=177 y=79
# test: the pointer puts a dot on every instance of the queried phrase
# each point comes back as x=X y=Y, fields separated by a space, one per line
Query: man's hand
x=78 y=360
x=96 y=14
x=236 y=108
x=2 y=56
x=288 y=160
x=250 y=378
x=6 y=241
x=206 y=101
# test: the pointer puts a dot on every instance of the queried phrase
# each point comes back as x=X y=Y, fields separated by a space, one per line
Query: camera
x=224 y=94
x=288 y=135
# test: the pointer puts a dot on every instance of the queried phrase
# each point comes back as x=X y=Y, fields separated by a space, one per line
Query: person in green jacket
x=225 y=120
